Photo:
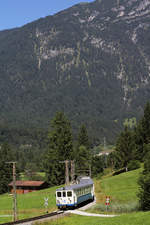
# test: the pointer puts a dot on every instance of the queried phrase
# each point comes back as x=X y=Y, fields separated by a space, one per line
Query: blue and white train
x=73 y=195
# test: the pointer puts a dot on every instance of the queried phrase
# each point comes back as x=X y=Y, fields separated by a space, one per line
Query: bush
x=133 y=165
x=144 y=183
x=117 y=207
x=117 y=172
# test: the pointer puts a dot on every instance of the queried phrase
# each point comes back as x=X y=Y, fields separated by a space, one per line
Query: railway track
x=35 y=218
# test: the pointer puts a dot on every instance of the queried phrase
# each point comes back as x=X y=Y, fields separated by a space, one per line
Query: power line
x=72 y=163
x=14 y=190
x=66 y=171
x=72 y=171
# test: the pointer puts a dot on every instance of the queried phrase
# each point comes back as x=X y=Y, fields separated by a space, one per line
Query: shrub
x=117 y=207
x=117 y=172
x=133 y=165
x=144 y=183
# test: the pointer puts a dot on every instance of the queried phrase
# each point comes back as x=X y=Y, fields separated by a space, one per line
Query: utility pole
x=90 y=172
x=66 y=171
x=72 y=171
x=104 y=143
x=14 y=191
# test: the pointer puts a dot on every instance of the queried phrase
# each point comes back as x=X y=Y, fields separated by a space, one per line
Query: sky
x=16 y=13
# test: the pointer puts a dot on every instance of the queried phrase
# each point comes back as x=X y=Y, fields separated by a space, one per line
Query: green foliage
x=82 y=161
x=5 y=168
x=146 y=123
x=82 y=152
x=131 y=123
x=97 y=165
x=133 y=165
x=143 y=133
x=60 y=148
x=126 y=147
x=117 y=207
x=27 y=145
x=144 y=184
x=83 y=138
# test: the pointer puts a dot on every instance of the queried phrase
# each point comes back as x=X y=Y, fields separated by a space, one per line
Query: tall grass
x=29 y=205
x=140 y=218
x=116 y=208
x=121 y=188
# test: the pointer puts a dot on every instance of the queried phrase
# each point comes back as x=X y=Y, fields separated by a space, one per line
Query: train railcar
x=73 y=195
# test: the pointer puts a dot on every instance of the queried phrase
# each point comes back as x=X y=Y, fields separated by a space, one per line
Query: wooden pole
x=72 y=171
x=14 y=191
x=67 y=172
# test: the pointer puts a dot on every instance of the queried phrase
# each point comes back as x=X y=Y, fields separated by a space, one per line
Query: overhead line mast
x=14 y=190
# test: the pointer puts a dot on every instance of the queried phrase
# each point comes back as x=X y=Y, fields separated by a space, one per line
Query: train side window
x=59 y=194
x=64 y=194
x=69 y=194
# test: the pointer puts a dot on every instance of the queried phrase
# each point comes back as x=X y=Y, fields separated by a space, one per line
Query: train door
x=70 y=199
x=64 y=199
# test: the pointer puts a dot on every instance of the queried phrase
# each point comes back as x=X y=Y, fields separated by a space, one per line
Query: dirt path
x=78 y=212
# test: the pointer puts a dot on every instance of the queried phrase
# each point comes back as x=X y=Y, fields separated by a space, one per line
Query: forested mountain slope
x=91 y=61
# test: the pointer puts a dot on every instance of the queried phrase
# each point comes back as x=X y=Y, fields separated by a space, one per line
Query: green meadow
x=141 y=218
x=122 y=190
x=29 y=205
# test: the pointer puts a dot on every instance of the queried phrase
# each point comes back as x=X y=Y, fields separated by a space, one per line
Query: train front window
x=64 y=194
x=59 y=194
x=69 y=194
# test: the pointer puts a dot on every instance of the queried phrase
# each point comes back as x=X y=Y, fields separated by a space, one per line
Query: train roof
x=83 y=182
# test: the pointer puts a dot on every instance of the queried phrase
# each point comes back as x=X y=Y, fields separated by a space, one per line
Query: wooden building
x=23 y=187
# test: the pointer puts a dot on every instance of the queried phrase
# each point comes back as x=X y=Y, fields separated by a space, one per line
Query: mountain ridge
x=91 y=61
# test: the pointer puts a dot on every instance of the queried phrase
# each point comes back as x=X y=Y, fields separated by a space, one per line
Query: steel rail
x=34 y=218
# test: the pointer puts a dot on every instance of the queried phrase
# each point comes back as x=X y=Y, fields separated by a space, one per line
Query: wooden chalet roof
x=29 y=183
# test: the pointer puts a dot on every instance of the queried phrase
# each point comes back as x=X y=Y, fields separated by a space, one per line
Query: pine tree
x=83 y=153
x=144 y=184
x=5 y=168
x=82 y=160
x=83 y=138
x=143 y=132
x=139 y=139
x=146 y=123
x=97 y=165
x=126 y=147
x=60 y=148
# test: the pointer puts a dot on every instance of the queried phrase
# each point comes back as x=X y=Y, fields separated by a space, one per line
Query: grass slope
x=122 y=189
x=29 y=205
x=128 y=219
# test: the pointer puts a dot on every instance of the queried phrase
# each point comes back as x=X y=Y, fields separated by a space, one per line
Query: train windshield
x=64 y=194
x=69 y=194
x=58 y=194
